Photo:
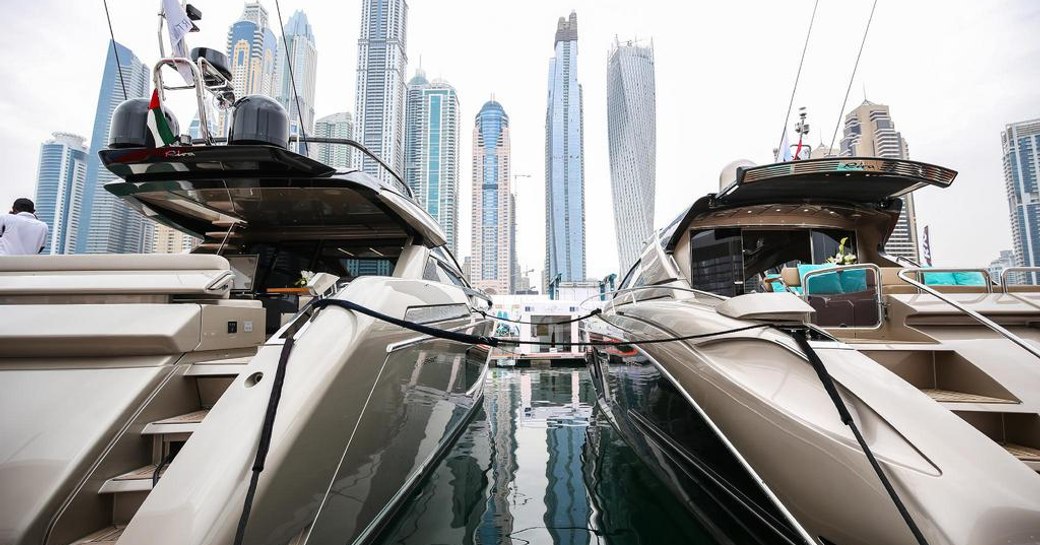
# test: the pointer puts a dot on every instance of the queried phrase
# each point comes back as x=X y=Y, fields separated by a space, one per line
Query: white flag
x=783 y=154
x=178 y=25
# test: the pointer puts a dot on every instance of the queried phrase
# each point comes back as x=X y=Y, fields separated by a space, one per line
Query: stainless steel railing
x=921 y=286
x=1008 y=271
x=837 y=269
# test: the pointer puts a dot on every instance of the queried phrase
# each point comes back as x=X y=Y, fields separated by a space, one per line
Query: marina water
x=541 y=465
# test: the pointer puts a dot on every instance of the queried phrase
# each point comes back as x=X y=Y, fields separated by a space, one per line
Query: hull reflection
x=681 y=448
x=542 y=466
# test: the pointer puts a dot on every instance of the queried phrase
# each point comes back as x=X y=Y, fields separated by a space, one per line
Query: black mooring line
x=799 y=336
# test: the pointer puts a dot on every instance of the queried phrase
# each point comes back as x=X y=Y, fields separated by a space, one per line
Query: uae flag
x=157 y=123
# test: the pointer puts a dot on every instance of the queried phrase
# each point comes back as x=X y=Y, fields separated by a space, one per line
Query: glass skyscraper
x=432 y=151
x=564 y=161
x=338 y=125
x=59 y=190
x=632 y=135
x=379 y=106
x=1021 y=146
x=492 y=266
x=869 y=132
x=111 y=225
x=301 y=49
x=253 y=52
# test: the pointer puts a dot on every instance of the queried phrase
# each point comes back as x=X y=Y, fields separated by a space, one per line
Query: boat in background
x=939 y=369
x=137 y=389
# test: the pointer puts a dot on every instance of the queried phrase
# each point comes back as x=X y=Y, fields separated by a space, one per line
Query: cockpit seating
x=842 y=299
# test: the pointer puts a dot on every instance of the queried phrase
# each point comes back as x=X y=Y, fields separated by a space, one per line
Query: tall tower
x=167 y=240
x=492 y=210
x=338 y=125
x=253 y=52
x=564 y=160
x=432 y=151
x=60 y=181
x=299 y=46
x=382 y=60
x=111 y=225
x=1021 y=146
x=869 y=132
x=632 y=134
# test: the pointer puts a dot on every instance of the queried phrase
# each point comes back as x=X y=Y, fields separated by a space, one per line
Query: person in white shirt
x=21 y=233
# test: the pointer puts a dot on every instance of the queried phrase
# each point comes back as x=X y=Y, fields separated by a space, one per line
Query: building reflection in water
x=540 y=467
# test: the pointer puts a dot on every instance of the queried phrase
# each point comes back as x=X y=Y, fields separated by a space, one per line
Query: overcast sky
x=954 y=72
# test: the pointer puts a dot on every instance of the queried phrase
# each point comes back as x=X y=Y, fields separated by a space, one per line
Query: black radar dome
x=129 y=127
x=259 y=119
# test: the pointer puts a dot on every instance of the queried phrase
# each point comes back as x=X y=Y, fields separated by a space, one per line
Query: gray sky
x=953 y=71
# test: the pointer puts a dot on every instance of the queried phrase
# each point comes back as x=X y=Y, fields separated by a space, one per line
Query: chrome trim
x=733 y=450
x=930 y=174
x=903 y=275
x=424 y=314
x=423 y=338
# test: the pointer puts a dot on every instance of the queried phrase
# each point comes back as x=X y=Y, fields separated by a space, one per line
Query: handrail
x=978 y=317
x=1005 y=273
x=926 y=270
x=839 y=268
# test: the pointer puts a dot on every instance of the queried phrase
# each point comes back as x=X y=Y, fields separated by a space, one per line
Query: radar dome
x=259 y=119
x=729 y=172
x=129 y=127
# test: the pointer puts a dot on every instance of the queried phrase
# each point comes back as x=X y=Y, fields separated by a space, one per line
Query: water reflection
x=541 y=465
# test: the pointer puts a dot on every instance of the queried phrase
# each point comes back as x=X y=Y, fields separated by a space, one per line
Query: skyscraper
x=869 y=132
x=111 y=225
x=564 y=160
x=338 y=125
x=60 y=182
x=431 y=166
x=492 y=209
x=253 y=52
x=299 y=46
x=632 y=134
x=1021 y=146
x=382 y=61
x=167 y=240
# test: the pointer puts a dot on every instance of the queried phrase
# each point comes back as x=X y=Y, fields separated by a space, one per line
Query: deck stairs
x=123 y=490
x=965 y=388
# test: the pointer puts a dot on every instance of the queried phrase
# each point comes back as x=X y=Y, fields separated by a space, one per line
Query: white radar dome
x=729 y=172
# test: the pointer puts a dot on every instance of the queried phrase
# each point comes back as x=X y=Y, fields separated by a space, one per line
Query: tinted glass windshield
x=734 y=261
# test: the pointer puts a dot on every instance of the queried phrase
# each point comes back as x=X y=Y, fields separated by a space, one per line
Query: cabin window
x=438 y=271
x=733 y=261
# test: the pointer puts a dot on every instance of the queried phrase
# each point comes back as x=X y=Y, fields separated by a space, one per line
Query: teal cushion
x=853 y=281
x=940 y=279
x=824 y=284
x=969 y=278
x=777 y=286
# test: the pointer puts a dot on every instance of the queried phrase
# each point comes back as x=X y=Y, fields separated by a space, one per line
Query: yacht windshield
x=734 y=261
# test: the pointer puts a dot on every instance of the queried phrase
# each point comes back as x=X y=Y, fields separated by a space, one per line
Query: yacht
x=794 y=323
x=222 y=396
